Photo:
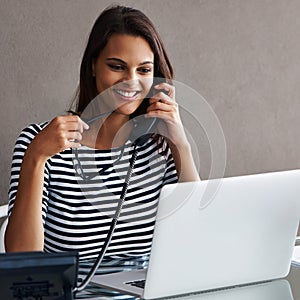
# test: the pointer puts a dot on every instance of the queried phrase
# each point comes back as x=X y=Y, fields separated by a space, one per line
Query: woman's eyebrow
x=123 y=62
x=146 y=63
x=116 y=59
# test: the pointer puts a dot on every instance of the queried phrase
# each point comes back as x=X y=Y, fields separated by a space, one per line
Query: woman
x=52 y=206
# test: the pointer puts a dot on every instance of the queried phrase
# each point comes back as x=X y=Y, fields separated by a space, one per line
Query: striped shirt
x=77 y=212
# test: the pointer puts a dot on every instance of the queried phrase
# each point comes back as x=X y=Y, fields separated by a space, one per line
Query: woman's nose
x=131 y=75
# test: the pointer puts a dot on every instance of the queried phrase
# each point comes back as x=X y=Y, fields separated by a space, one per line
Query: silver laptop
x=244 y=233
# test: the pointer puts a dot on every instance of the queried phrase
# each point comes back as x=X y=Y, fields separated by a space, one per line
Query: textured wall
x=242 y=56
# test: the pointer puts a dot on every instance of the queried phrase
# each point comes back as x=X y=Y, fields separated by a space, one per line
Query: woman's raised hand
x=163 y=105
x=61 y=133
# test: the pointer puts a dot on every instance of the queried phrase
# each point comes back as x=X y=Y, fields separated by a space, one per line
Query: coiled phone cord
x=99 y=259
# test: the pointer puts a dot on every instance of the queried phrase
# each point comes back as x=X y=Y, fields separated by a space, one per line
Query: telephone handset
x=143 y=128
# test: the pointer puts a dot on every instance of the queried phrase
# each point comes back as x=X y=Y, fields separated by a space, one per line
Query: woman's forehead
x=128 y=47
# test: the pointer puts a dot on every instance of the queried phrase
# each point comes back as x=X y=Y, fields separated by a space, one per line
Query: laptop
x=243 y=234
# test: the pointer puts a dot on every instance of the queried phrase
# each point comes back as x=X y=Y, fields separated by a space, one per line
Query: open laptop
x=244 y=234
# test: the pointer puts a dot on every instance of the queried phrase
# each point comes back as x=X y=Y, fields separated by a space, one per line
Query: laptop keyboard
x=137 y=283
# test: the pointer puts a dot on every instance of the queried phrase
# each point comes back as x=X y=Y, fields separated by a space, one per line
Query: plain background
x=242 y=56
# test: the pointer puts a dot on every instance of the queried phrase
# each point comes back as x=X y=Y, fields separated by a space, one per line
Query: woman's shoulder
x=34 y=128
x=30 y=131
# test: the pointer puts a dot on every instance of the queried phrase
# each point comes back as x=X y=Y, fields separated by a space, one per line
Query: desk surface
x=281 y=289
x=294 y=281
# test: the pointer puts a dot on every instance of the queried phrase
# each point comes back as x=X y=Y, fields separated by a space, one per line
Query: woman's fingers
x=160 y=96
x=70 y=123
x=74 y=136
x=163 y=103
x=163 y=106
x=164 y=99
x=71 y=129
x=61 y=133
x=167 y=88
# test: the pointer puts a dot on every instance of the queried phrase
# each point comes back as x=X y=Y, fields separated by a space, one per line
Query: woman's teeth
x=126 y=93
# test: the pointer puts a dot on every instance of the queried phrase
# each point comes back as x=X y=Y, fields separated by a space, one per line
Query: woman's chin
x=126 y=110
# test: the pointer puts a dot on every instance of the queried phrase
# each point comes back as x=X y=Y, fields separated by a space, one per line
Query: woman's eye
x=116 y=67
x=145 y=70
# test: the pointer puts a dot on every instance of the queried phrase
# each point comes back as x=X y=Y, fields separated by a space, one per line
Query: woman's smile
x=128 y=95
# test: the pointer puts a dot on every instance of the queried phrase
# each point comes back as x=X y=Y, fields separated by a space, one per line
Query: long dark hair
x=120 y=20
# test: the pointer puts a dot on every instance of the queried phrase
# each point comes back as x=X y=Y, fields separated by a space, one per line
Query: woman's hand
x=61 y=133
x=163 y=105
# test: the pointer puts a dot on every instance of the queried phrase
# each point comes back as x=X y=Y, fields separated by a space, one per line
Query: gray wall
x=242 y=56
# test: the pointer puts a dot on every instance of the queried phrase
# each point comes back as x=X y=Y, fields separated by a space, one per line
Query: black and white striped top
x=77 y=213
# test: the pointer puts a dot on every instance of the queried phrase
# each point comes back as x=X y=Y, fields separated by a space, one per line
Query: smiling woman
x=53 y=207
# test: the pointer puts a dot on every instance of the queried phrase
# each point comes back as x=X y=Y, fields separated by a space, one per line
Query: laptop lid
x=244 y=234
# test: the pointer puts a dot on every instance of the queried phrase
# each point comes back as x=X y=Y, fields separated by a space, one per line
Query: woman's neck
x=111 y=132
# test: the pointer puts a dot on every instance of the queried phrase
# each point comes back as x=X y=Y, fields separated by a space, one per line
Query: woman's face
x=124 y=70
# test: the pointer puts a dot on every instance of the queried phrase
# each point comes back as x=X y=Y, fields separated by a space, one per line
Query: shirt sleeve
x=170 y=172
x=21 y=145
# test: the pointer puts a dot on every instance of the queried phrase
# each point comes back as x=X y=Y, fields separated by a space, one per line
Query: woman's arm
x=184 y=162
x=25 y=230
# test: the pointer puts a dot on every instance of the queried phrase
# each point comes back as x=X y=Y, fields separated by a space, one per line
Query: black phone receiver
x=142 y=129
